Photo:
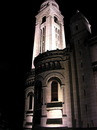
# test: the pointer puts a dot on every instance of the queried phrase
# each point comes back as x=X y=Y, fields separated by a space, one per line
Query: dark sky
x=16 y=45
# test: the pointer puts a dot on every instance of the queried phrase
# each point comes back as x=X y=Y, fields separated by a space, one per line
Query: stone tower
x=45 y=85
x=49 y=29
x=61 y=88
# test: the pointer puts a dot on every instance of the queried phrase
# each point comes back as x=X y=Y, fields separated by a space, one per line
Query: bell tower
x=44 y=103
x=52 y=100
x=49 y=29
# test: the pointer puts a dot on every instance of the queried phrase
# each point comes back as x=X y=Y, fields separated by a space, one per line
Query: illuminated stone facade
x=61 y=89
x=49 y=29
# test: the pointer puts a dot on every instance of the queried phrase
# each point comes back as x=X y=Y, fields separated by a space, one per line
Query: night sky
x=16 y=45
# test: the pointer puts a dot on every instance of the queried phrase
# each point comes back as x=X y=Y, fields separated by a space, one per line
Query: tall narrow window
x=54 y=91
x=42 y=39
x=43 y=42
x=44 y=19
x=57 y=36
x=30 y=101
x=55 y=20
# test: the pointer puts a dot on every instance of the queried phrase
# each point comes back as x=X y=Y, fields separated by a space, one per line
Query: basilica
x=61 y=88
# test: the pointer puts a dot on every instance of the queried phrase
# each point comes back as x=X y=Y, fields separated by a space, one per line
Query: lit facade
x=49 y=29
x=61 y=88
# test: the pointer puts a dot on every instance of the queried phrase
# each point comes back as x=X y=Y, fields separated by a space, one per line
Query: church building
x=61 y=88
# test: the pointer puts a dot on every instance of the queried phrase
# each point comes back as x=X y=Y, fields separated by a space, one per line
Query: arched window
x=30 y=96
x=42 y=40
x=54 y=91
x=44 y=19
x=55 y=20
x=30 y=102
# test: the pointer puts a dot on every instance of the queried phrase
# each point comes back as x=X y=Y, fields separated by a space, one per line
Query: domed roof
x=47 y=2
x=78 y=16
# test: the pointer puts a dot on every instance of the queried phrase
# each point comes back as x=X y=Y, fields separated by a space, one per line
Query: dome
x=48 y=2
x=78 y=16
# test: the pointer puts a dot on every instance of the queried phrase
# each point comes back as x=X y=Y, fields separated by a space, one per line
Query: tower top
x=49 y=0
x=47 y=3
